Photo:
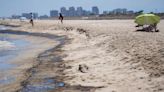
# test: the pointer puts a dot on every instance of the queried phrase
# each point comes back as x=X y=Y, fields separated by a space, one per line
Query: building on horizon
x=79 y=11
x=72 y=11
x=43 y=17
x=26 y=15
x=130 y=12
x=120 y=11
x=63 y=11
x=35 y=15
x=86 y=13
x=105 y=12
x=54 y=13
x=95 y=10
x=15 y=16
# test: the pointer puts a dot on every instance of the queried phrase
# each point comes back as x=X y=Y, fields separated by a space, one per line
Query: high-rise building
x=26 y=15
x=105 y=12
x=15 y=16
x=120 y=11
x=35 y=15
x=54 y=13
x=72 y=11
x=130 y=12
x=86 y=13
x=63 y=11
x=95 y=10
x=30 y=15
x=43 y=17
x=79 y=11
x=124 y=11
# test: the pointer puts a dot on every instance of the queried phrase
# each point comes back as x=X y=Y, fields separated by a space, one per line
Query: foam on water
x=6 y=45
x=4 y=27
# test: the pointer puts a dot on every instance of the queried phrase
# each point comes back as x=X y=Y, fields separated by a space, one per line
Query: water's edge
x=56 y=55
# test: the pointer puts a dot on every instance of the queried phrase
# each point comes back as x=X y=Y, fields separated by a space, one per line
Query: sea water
x=10 y=47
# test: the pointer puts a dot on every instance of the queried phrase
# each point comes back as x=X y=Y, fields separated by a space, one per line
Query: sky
x=10 y=7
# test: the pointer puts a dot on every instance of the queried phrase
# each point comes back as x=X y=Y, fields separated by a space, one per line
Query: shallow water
x=8 y=53
x=4 y=27
x=46 y=85
x=9 y=48
x=7 y=80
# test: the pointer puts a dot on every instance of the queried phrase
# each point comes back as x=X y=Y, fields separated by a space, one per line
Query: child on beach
x=61 y=18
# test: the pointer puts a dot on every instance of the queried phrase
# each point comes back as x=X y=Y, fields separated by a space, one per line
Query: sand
x=119 y=59
x=24 y=60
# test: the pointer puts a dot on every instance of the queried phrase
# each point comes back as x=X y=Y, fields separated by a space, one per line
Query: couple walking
x=32 y=21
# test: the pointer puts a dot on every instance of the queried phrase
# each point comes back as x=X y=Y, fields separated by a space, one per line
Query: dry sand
x=118 y=58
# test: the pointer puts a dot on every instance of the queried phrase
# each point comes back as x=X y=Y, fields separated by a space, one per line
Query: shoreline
x=59 y=65
x=28 y=55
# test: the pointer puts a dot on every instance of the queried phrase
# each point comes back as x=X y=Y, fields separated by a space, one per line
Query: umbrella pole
x=155 y=27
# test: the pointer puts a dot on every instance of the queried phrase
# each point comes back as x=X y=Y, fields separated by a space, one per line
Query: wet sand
x=118 y=58
x=24 y=59
x=43 y=71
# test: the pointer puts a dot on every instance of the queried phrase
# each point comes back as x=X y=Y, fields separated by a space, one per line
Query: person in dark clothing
x=31 y=19
x=61 y=17
x=32 y=22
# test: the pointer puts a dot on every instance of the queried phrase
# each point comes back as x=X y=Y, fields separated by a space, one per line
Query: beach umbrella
x=147 y=19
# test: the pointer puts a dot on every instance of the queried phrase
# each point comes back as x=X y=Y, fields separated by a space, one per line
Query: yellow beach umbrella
x=147 y=19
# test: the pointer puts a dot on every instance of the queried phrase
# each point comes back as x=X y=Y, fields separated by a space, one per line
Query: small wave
x=2 y=28
x=6 y=45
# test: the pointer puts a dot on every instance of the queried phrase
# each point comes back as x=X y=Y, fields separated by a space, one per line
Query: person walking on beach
x=31 y=19
x=61 y=17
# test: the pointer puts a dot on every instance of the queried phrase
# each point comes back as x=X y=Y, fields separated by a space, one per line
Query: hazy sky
x=9 y=7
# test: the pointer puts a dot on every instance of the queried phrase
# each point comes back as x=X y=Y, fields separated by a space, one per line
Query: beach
x=96 y=56
x=20 y=59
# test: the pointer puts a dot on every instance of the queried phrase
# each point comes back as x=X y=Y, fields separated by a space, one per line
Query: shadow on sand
x=144 y=30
